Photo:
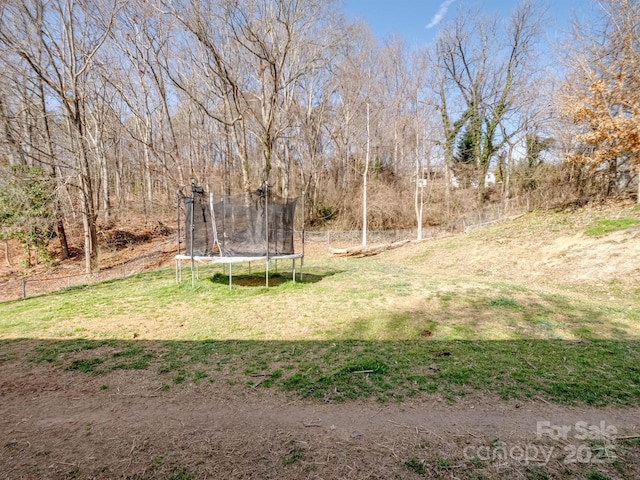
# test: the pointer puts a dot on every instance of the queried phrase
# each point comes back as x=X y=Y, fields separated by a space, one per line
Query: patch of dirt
x=114 y=238
x=123 y=251
x=58 y=425
x=583 y=258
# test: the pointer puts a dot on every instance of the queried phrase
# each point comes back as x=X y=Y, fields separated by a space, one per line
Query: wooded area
x=107 y=107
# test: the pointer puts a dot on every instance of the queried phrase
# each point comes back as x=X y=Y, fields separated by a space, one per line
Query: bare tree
x=478 y=68
x=251 y=62
x=142 y=51
x=59 y=41
x=212 y=71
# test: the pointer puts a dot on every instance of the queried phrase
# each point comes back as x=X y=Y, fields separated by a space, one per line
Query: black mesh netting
x=238 y=225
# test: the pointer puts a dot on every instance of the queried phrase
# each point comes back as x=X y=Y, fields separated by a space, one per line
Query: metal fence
x=492 y=214
x=31 y=286
x=354 y=237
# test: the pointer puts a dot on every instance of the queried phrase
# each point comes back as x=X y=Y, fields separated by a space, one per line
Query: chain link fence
x=464 y=223
x=31 y=286
x=492 y=214
x=347 y=238
x=354 y=237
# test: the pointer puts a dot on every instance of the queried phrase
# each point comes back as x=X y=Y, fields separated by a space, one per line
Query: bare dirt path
x=59 y=425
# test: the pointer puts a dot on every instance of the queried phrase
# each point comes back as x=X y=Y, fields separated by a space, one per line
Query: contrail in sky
x=442 y=11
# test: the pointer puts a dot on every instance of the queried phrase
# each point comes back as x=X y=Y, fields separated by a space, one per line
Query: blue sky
x=418 y=21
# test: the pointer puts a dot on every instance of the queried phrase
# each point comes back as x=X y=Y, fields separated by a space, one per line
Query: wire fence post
x=24 y=288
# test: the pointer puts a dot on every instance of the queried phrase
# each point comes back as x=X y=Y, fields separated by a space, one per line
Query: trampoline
x=228 y=229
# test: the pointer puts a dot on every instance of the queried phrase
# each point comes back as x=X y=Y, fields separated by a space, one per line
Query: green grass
x=595 y=372
x=606 y=226
x=416 y=466
x=293 y=456
x=180 y=473
x=596 y=476
x=513 y=343
x=384 y=327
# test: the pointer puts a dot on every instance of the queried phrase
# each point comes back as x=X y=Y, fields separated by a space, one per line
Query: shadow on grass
x=593 y=372
x=568 y=372
x=275 y=279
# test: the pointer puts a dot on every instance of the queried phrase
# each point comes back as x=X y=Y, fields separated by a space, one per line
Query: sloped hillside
x=572 y=249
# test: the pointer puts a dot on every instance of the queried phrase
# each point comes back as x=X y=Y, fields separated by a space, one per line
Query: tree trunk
x=241 y=147
x=506 y=182
x=286 y=172
x=418 y=198
x=638 y=197
x=612 y=181
x=119 y=191
x=13 y=149
x=89 y=225
x=6 y=253
x=60 y=231
x=104 y=170
x=86 y=198
x=148 y=181
x=62 y=236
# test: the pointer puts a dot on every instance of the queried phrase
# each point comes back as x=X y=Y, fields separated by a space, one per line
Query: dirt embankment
x=548 y=249
x=123 y=250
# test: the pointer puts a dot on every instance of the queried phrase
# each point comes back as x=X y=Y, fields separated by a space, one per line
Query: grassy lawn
x=386 y=327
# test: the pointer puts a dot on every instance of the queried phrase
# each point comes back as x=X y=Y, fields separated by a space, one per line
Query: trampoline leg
x=293 y=273
x=229 y=276
x=301 y=267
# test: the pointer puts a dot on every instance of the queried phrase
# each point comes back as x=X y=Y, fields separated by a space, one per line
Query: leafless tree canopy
x=121 y=102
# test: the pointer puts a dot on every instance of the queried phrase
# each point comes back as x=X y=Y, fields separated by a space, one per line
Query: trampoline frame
x=195 y=260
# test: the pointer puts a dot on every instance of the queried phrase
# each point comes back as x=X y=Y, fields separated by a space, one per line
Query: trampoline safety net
x=236 y=225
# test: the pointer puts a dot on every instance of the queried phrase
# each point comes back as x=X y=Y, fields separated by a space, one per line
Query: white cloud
x=442 y=11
